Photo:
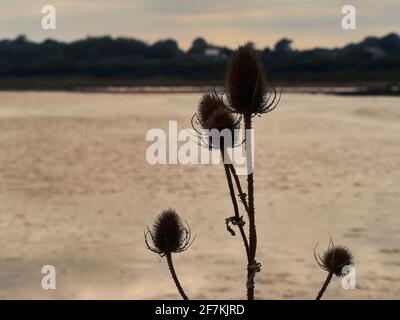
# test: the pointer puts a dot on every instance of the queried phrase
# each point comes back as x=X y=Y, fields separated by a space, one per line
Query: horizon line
x=149 y=43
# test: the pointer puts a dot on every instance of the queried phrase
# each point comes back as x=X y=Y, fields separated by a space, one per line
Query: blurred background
x=76 y=103
x=129 y=43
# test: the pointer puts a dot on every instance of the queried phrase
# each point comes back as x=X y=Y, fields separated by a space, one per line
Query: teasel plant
x=169 y=235
x=249 y=95
x=333 y=261
x=246 y=95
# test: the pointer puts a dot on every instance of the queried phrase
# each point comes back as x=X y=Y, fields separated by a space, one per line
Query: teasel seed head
x=245 y=81
x=213 y=114
x=222 y=119
x=334 y=259
x=207 y=105
x=246 y=85
x=169 y=235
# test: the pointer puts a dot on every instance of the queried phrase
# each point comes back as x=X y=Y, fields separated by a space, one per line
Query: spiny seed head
x=213 y=115
x=168 y=234
x=224 y=122
x=335 y=258
x=208 y=104
x=245 y=82
x=222 y=119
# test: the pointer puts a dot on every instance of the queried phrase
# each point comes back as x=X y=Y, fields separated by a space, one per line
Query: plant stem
x=236 y=209
x=324 y=286
x=251 y=212
x=239 y=187
x=174 y=276
x=228 y=166
x=234 y=203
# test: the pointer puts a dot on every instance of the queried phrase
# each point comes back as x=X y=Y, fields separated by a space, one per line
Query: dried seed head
x=168 y=234
x=222 y=119
x=245 y=82
x=224 y=122
x=335 y=258
x=213 y=115
x=208 y=104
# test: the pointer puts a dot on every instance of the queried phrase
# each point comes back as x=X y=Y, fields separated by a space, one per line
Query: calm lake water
x=76 y=192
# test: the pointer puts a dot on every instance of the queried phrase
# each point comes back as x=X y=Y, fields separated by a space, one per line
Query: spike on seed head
x=335 y=258
x=168 y=234
x=245 y=82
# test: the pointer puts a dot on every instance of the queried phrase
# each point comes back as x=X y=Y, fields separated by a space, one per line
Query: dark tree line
x=102 y=57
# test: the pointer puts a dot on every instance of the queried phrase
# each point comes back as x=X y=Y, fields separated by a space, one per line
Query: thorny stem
x=251 y=212
x=174 y=276
x=324 y=286
x=235 y=205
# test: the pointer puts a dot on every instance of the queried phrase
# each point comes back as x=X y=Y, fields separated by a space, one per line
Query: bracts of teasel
x=169 y=235
x=334 y=260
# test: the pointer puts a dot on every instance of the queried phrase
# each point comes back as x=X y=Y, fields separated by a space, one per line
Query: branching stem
x=242 y=195
x=235 y=205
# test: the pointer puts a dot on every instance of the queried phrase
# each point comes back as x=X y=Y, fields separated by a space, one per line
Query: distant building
x=213 y=52
x=201 y=48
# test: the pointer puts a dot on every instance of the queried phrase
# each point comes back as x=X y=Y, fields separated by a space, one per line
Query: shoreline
x=174 y=86
x=328 y=90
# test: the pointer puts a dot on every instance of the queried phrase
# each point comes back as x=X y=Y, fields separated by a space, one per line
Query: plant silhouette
x=246 y=95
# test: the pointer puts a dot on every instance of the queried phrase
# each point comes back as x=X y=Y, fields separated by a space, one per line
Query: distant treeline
x=373 y=59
